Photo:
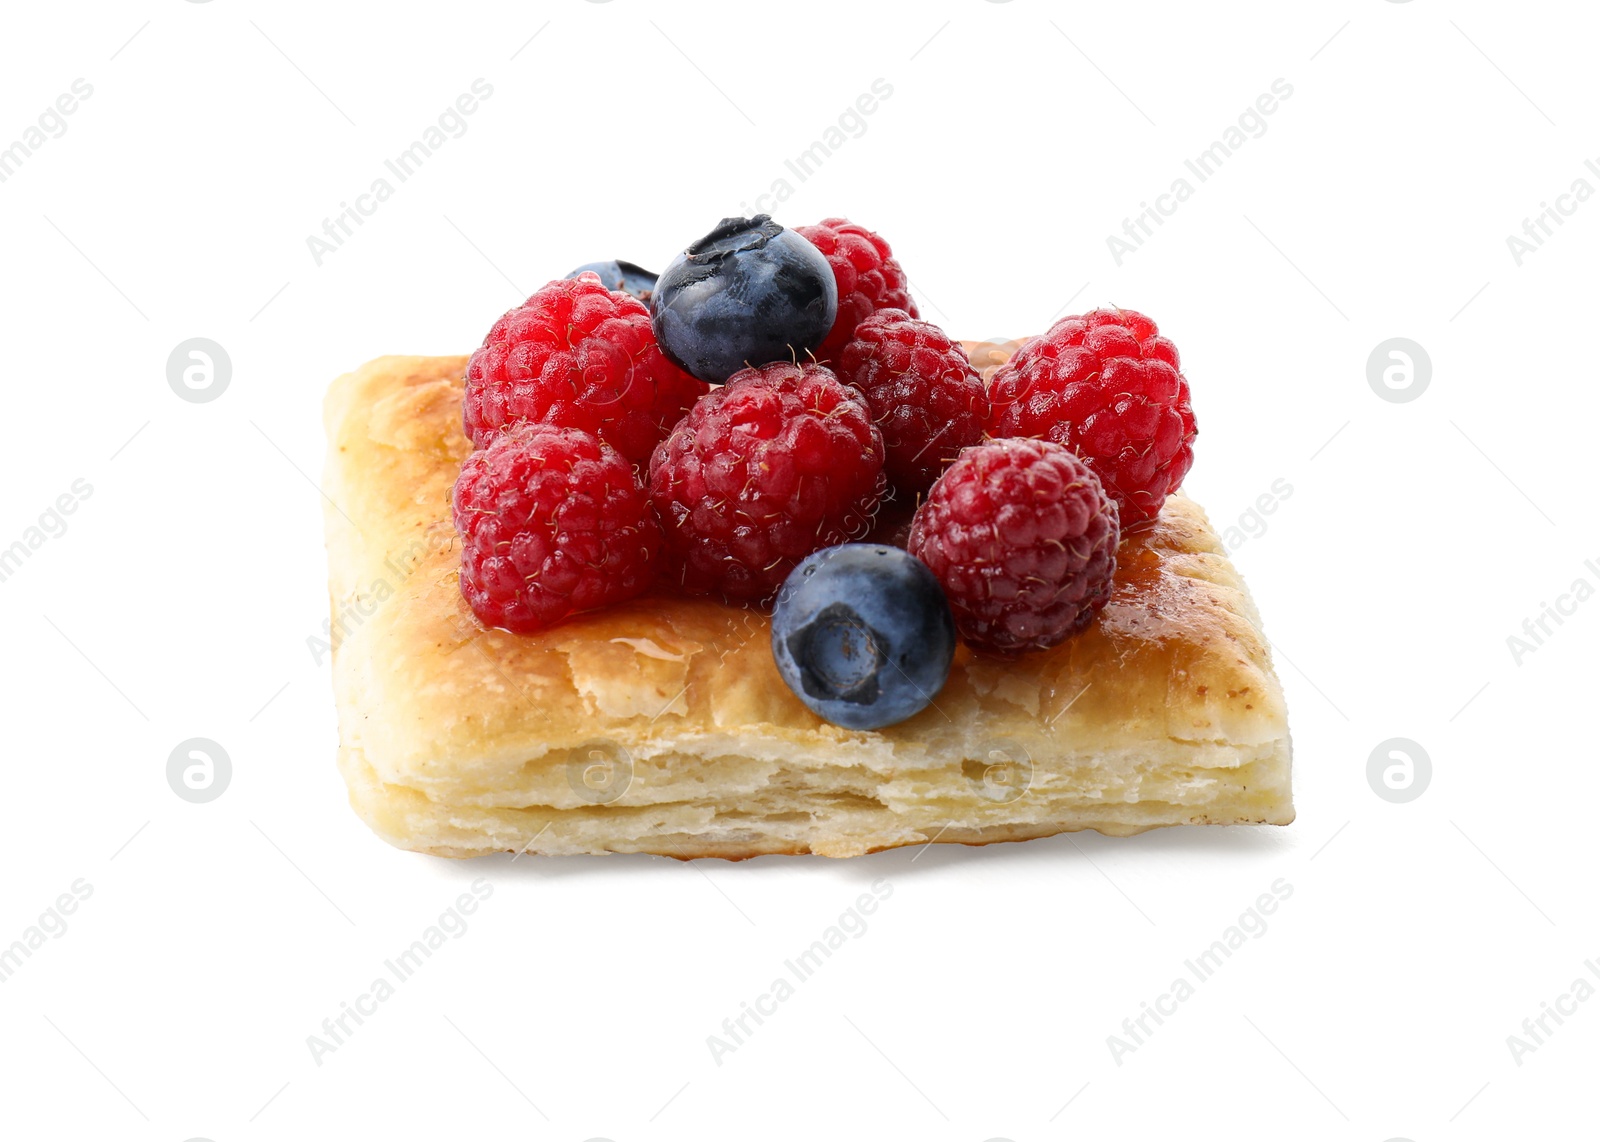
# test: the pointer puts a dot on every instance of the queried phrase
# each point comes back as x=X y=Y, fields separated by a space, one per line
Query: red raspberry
x=552 y=522
x=779 y=462
x=1108 y=387
x=869 y=278
x=925 y=396
x=577 y=355
x=1024 y=539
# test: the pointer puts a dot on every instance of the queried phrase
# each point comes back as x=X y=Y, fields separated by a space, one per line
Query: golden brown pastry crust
x=459 y=741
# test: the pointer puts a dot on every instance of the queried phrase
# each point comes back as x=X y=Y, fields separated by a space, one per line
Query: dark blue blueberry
x=863 y=635
x=748 y=293
x=624 y=276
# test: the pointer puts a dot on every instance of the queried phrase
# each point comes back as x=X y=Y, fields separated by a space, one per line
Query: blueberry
x=748 y=293
x=624 y=276
x=863 y=635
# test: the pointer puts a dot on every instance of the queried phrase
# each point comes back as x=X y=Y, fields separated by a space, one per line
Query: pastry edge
x=410 y=820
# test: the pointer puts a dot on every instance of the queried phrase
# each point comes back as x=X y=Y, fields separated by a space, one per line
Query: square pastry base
x=661 y=726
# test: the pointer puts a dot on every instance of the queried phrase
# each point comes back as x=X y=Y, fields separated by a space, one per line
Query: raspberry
x=577 y=355
x=1108 y=387
x=1024 y=539
x=552 y=522
x=925 y=396
x=779 y=462
x=869 y=278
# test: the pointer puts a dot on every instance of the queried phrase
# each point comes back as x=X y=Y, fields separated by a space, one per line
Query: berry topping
x=618 y=275
x=748 y=293
x=552 y=522
x=577 y=355
x=868 y=277
x=862 y=635
x=1024 y=540
x=925 y=396
x=1107 y=386
x=779 y=462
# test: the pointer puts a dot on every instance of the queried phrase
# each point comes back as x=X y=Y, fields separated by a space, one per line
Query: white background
x=1018 y=136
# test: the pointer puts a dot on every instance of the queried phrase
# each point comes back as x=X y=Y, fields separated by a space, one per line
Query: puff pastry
x=661 y=726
